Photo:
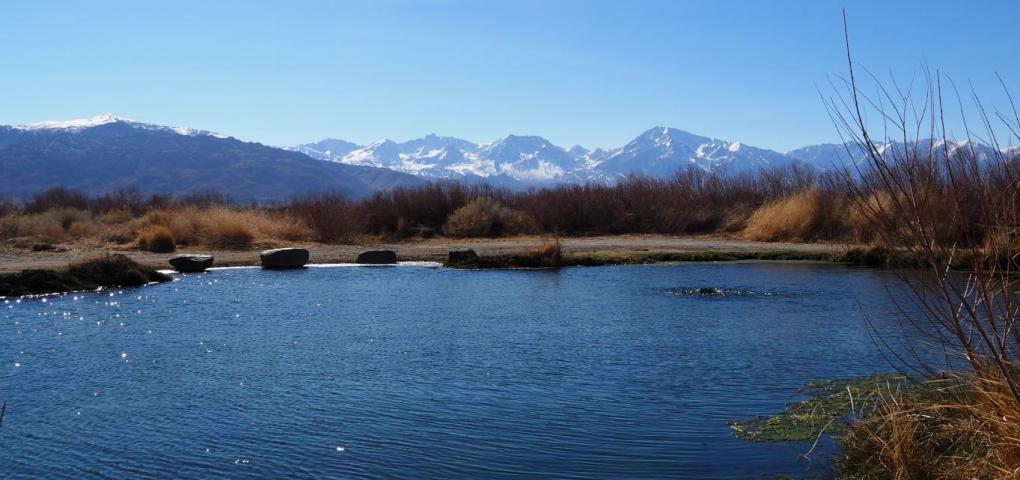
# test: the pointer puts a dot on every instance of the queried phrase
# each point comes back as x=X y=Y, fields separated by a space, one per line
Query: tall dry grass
x=224 y=227
x=803 y=216
x=941 y=206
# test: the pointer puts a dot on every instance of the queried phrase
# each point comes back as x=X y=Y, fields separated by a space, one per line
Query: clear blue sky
x=589 y=72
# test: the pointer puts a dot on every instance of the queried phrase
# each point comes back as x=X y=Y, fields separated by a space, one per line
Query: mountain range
x=106 y=153
x=659 y=151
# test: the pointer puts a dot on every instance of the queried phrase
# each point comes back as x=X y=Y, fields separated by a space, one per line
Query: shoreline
x=585 y=250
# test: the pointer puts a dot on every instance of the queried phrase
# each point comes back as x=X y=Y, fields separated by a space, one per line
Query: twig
x=819 y=437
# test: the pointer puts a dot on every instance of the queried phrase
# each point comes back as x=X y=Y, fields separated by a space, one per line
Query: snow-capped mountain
x=662 y=151
x=105 y=153
x=830 y=155
x=527 y=158
x=327 y=149
x=72 y=126
x=534 y=160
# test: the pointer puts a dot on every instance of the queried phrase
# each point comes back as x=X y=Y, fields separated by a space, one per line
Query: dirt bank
x=433 y=249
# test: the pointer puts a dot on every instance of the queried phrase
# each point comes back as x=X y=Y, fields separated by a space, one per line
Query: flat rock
x=378 y=257
x=459 y=255
x=284 y=258
x=191 y=263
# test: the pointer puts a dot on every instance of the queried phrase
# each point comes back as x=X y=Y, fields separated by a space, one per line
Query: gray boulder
x=378 y=257
x=191 y=263
x=284 y=258
x=461 y=255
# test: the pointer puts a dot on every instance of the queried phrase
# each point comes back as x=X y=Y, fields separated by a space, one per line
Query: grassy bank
x=543 y=258
x=108 y=271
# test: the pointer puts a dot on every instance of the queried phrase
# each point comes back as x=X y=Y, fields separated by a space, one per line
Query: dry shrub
x=114 y=217
x=186 y=224
x=225 y=228
x=83 y=230
x=485 y=217
x=329 y=217
x=858 y=219
x=36 y=227
x=802 y=216
x=285 y=227
x=69 y=216
x=156 y=239
x=56 y=198
x=122 y=233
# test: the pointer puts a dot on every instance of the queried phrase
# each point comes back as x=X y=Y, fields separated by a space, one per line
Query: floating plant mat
x=830 y=408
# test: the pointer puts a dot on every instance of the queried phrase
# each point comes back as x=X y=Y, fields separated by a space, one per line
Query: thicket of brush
x=783 y=204
x=940 y=206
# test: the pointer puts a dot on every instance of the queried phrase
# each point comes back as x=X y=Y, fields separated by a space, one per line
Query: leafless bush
x=944 y=205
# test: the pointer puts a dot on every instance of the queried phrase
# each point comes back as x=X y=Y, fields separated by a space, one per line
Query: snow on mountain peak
x=659 y=151
x=107 y=119
x=76 y=124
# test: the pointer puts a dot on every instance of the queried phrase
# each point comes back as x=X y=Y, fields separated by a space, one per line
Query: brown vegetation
x=106 y=271
x=156 y=239
x=940 y=206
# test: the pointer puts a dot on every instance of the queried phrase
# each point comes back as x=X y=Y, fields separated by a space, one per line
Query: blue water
x=412 y=372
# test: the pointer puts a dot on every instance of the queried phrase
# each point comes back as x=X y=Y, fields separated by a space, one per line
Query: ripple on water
x=427 y=373
x=721 y=292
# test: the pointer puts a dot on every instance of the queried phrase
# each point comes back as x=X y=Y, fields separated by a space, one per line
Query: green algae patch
x=830 y=407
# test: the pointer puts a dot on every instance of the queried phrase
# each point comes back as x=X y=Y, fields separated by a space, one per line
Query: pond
x=417 y=372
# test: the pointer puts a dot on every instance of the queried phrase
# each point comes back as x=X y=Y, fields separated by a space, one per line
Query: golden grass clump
x=485 y=217
x=549 y=254
x=801 y=216
x=963 y=428
x=222 y=227
x=156 y=239
x=789 y=218
x=226 y=228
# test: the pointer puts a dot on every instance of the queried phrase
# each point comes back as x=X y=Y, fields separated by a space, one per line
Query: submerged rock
x=460 y=255
x=284 y=258
x=191 y=263
x=378 y=257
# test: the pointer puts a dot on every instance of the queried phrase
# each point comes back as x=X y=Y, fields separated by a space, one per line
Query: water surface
x=412 y=372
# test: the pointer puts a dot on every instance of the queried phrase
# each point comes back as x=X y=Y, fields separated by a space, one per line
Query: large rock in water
x=191 y=263
x=378 y=257
x=461 y=255
x=284 y=258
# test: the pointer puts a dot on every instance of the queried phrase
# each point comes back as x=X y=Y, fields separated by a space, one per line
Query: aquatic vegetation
x=831 y=405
